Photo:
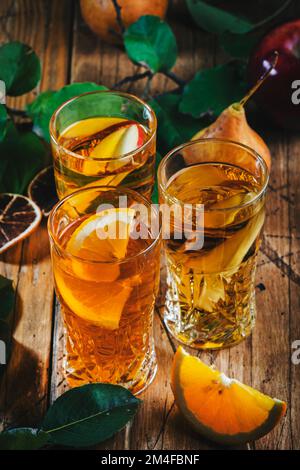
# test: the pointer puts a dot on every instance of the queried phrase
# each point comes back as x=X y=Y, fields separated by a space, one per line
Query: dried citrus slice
x=19 y=217
x=220 y=408
x=42 y=190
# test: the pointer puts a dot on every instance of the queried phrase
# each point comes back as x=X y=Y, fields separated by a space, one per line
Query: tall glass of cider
x=105 y=138
x=105 y=258
x=210 y=299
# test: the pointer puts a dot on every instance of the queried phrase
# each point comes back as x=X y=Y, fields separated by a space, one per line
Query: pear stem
x=261 y=80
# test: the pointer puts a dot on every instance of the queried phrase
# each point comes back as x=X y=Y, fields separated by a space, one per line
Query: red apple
x=279 y=96
x=132 y=139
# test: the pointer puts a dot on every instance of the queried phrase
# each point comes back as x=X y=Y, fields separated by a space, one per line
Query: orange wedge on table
x=93 y=292
x=222 y=409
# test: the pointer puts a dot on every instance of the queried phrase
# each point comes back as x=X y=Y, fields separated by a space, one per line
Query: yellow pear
x=232 y=124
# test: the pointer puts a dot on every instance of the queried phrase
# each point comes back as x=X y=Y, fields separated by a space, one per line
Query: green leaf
x=89 y=414
x=150 y=42
x=22 y=156
x=212 y=90
x=42 y=108
x=241 y=45
x=154 y=197
x=3 y=121
x=216 y=20
x=174 y=128
x=7 y=297
x=40 y=111
x=20 y=68
x=23 y=439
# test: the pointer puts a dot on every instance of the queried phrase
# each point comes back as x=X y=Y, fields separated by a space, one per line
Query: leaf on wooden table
x=174 y=128
x=3 y=121
x=150 y=42
x=212 y=90
x=86 y=415
x=22 y=156
x=240 y=45
x=216 y=20
x=154 y=197
x=20 y=68
x=42 y=108
x=23 y=439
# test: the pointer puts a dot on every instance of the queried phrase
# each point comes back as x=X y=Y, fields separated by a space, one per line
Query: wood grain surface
x=33 y=378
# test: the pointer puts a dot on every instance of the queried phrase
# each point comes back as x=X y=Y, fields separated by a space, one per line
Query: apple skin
x=275 y=95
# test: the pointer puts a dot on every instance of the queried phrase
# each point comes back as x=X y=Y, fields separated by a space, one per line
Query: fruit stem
x=261 y=80
x=118 y=9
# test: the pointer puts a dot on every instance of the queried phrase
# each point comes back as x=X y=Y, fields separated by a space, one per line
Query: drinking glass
x=105 y=138
x=219 y=186
x=106 y=283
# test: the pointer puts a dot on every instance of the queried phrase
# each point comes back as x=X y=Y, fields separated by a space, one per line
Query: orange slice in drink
x=103 y=236
x=223 y=410
x=99 y=303
x=93 y=291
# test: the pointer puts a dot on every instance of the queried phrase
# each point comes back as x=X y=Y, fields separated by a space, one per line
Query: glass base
x=144 y=377
x=210 y=311
x=232 y=340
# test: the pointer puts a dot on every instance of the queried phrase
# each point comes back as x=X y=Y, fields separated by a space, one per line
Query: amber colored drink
x=210 y=296
x=107 y=292
x=104 y=138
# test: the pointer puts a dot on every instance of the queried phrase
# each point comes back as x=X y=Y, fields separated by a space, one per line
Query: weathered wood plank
x=264 y=360
x=91 y=60
x=270 y=341
x=293 y=156
x=24 y=389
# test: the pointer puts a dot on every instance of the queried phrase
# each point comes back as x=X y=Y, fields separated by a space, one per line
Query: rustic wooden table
x=33 y=379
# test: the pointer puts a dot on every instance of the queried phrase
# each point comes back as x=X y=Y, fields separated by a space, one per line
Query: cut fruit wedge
x=221 y=409
x=19 y=217
x=93 y=291
x=118 y=143
x=101 y=237
x=90 y=126
x=101 y=304
x=231 y=253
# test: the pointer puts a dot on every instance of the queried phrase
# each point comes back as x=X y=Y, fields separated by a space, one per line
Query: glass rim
x=121 y=190
x=191 y=143
x=129 y=97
